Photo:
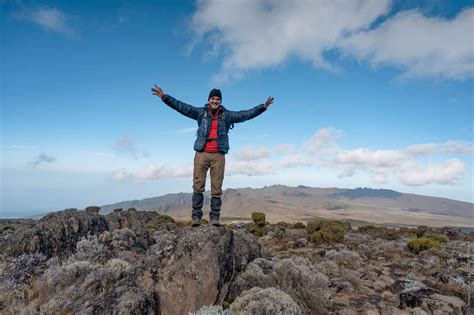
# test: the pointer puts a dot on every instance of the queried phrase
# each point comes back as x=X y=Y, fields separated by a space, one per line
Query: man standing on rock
x=211 y=145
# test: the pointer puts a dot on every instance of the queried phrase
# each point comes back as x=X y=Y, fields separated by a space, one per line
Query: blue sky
x=367 y=94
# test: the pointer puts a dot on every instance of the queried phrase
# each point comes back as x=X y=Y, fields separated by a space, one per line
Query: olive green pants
x=215 y=162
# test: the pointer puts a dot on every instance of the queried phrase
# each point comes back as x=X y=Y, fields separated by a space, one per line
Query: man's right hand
x=157 y=91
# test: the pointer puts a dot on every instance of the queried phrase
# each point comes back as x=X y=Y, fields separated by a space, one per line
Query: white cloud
x=51 y=19
x=251 y=154
x=296 y=160
x=448 y=147
x=422 y=46
x=127 y=145
x=323 y=141
x=119 y=175
x=365 y=157
x=459 y=147
x=422 y=149
x=268 y=33
x=249 y=168
x=152 y=172
x=283 y=148
x=445 y=172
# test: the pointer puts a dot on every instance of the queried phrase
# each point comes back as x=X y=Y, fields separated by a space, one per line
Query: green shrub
x=380 y=232
x=421 y=244
x=299 y=225
x=314 y=226
x=329 y=232
x=421 y=231
x=163 y=218
x=232 y=226
x=204 y=221
x=440 y=238
x=255 y=229
x=149 y=226
x=258 y=218
x=367 y=229
x=283 y=225
x=331 y=235
x=225 y=304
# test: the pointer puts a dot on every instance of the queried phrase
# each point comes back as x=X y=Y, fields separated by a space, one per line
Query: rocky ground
x=138 y=262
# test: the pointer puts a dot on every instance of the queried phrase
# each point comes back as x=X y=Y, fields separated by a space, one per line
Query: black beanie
x=215 y=92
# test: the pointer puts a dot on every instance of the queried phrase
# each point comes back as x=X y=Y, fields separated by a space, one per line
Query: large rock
x=57 y=233
x=195 y=267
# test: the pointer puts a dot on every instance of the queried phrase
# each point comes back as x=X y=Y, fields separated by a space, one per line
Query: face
x=214 y=101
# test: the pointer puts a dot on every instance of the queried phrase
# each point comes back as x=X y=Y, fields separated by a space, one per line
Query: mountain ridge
x=303 y=203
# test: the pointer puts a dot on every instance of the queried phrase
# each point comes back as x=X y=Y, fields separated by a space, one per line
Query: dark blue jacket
x=226 y=119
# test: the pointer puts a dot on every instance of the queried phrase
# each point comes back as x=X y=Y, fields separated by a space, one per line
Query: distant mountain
x=302 y=203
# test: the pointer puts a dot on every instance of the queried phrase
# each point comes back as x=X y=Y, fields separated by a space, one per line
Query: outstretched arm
x=243 y=115
x=183 y=108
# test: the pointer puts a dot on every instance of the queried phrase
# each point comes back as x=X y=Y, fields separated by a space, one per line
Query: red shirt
x=212 y=146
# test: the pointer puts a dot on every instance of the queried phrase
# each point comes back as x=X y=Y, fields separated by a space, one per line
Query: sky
x=372 y=94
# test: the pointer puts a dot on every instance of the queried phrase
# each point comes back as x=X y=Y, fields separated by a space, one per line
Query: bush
x=421 y=231
x=299 y=225
x=89 y=248
x=258 y=218
x=255 y=229
x=314 y=226
x=163 y=218
x=329 y=232
x=149 y=226
x=380 y=232
x=204 y=221
x=328 y=235
x=421 y=244
x=440 y=238
x=22 y=269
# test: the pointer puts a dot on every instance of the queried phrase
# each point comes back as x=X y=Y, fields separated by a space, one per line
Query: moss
x=204 y=221
x=421 y=244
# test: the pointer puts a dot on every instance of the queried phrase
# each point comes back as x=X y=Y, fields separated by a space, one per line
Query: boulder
x=57 y=233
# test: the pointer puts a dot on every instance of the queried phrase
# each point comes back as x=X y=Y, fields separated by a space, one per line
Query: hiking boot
x=196 y=222
x=215 y=222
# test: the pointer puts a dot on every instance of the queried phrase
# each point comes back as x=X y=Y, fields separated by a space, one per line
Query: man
x=211 y=145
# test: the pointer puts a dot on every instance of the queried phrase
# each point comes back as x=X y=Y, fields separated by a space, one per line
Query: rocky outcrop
x=133 y=262
x=57 y=233
x=195 y=267
x=116 y=265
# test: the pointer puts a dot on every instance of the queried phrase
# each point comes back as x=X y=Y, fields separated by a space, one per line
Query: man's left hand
x=268 y=102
